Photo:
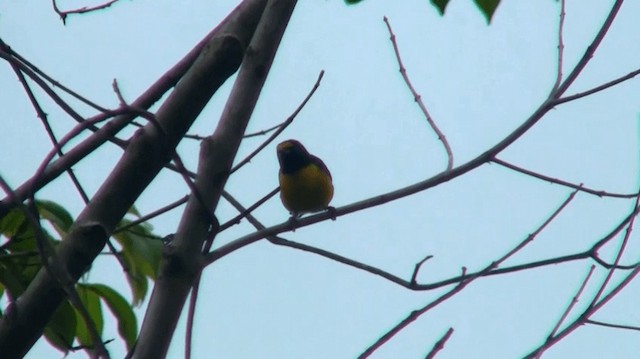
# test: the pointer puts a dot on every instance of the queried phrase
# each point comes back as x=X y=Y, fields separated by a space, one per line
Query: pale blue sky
x=479 y=82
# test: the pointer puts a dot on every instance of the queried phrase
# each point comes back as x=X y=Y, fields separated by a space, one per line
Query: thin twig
x=75 y=131
x=153 y=214
x=85 y=9
x=118 y=93
x=418 y=98
x=74 y=180
x=602 y=87
x=45 y=87
x=611 y=325
x=414 y=315
x=52 y=137
x=184 y=173
x=248 y=135
x=579 y=187
x=582 y=319
x=589 y=52
x=107 y=133
x=21 y=61
x=283 y=126
x=575 y=300
x=414 y=276
x=265 y=131
x=439 y=344
x=235 y=220
x=623 y=245
x=560 y=47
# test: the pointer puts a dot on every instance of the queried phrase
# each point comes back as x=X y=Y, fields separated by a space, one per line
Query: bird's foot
x=293 y=221
x=332 y=212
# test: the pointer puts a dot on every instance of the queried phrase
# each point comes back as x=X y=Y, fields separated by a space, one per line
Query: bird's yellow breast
x=308 y=189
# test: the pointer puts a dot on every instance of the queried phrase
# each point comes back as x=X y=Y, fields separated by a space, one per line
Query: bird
x=306 y=185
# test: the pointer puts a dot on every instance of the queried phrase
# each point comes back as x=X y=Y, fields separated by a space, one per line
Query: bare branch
x=44 y=119
x=418 y=98
x=414 y=315
x=596 y=89
x=610 y=325
x=153 y=214
x=414 y=276
x=85 y=9
x=560 y=47
x=168 y=80
x=623 y=245
x=588 y=54
x=573 y=302
x=590 y=253
x=265 y=131
x=284 y=125
x=32 y=70
x=439 y=345
x=244 y=213
x=430 y=182
x=582 y=319
x=579 y=187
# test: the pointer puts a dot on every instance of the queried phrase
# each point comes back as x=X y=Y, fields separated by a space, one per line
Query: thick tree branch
x=149 y=150
x=240 y=16
x=180 y=269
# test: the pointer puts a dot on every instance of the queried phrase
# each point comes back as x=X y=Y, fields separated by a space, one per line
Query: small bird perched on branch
x=305 y=181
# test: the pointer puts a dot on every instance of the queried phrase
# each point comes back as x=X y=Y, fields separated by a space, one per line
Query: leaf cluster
x=21 y=257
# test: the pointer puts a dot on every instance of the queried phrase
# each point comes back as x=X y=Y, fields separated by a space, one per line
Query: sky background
x=479 y=83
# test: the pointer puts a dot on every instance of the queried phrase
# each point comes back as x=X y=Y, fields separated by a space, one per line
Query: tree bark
x=182 y=261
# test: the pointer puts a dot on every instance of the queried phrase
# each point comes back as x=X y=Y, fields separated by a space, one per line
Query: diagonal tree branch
x=180 y=268
x=242 y=15
x=442 y=177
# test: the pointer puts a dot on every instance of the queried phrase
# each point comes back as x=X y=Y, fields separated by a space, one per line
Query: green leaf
x=17 y=229
x=11 y=222
x=138 y=284
x=441 y=5
x=134 y=211
x=17 y=270
x=22 y=233
x=142 y=244
x=56 y=215
x=91 y=302
x=352 y=2
x=62 y=328
x=488 y=7
x=127 y=323
x=141 y=254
